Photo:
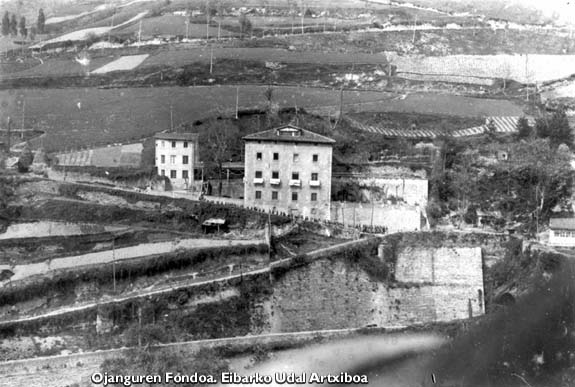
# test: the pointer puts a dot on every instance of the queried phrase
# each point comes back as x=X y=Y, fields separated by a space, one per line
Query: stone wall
x=410 y=190
x=425 y=285
x=395 y=218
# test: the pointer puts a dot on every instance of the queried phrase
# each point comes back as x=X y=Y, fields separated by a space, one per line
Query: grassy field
x=180 y=57
x=56 y=66
x=173 y=25
x=121 y=115
x=521 y=68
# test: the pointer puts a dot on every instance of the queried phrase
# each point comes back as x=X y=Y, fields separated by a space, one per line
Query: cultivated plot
x=123 y=63
x=522 y=68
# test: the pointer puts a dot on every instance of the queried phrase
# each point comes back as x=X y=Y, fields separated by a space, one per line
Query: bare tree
x=303 y=9
x=245 y=25
x=218 y=143
x=22 y=27
x=292 y=5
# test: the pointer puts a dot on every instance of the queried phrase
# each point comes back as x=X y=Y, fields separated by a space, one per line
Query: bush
x=158 y=362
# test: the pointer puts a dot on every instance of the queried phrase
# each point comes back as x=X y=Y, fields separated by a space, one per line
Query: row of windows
x=174 y=174
x=185 y=159
x=174 y=144
x=565 y=234
x=294 y=196
x=294 y=175
x=276 y=157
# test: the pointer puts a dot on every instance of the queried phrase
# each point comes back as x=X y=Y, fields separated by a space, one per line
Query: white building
x=176 y=155
x=288 y=169
x=562 y=232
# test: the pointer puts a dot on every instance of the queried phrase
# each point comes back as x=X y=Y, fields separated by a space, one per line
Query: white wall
x=164 y=148
x=556 y=240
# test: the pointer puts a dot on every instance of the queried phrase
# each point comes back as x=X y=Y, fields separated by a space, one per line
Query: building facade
x=288 y=169
x=562 y=232
x=176 y=156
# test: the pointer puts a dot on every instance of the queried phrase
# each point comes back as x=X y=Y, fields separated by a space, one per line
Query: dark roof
x=176 y=136
x=289 y=133
x=562 y=223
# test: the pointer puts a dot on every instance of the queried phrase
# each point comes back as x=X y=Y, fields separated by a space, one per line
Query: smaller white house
x=562 y=232
x=176 y=156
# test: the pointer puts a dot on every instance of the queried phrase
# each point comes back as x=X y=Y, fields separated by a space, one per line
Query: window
x=276 y=156
x=274 y=195
x=163 y=159
x=258 y=194
x=173 y=174
x=184 y=174
x=314 y=177
x=172 y=159
x=185 y=159
x=295 y=175
x=314 y=196
x=275 y=174
x=295 y=157
x=163 y=172
x=163 y=143
x=258 y=155
x=173 y=144
x=259 y=174
x=294 y=196
x=185 y=144
x=314 y=158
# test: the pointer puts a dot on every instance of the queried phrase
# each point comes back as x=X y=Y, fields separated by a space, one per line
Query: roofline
x=290 y=141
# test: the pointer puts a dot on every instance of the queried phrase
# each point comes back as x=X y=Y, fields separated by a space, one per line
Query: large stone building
x=176 y=155
x=288 y=169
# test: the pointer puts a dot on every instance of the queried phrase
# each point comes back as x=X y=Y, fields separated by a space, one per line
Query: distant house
x=562 y=232
x=488 y=218
x=288 y=169
x=176 y=156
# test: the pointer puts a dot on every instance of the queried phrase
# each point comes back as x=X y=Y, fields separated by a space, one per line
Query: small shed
x=214 y=225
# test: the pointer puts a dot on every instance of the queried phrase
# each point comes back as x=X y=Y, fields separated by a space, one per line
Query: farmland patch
x=123 y=63
x=107 y=157
x=173 y=25
x=522 y=68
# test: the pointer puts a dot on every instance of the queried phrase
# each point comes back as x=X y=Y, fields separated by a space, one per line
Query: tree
x=292 y=5
x=25 y=160
x=542 y=177
x=13 y=25
x=524 y=130
x=41 y=22
x=6 y=24
x=245 y=25
x=463 y=179
x=219 y=141
x=221 y=6
x=556 y=129
x=272 y=107
x=303 y=10
x=22 y=27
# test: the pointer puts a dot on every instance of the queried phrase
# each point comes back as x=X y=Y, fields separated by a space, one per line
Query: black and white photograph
x=287 y=192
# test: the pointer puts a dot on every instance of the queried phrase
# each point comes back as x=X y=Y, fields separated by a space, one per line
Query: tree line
x=11 y=26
